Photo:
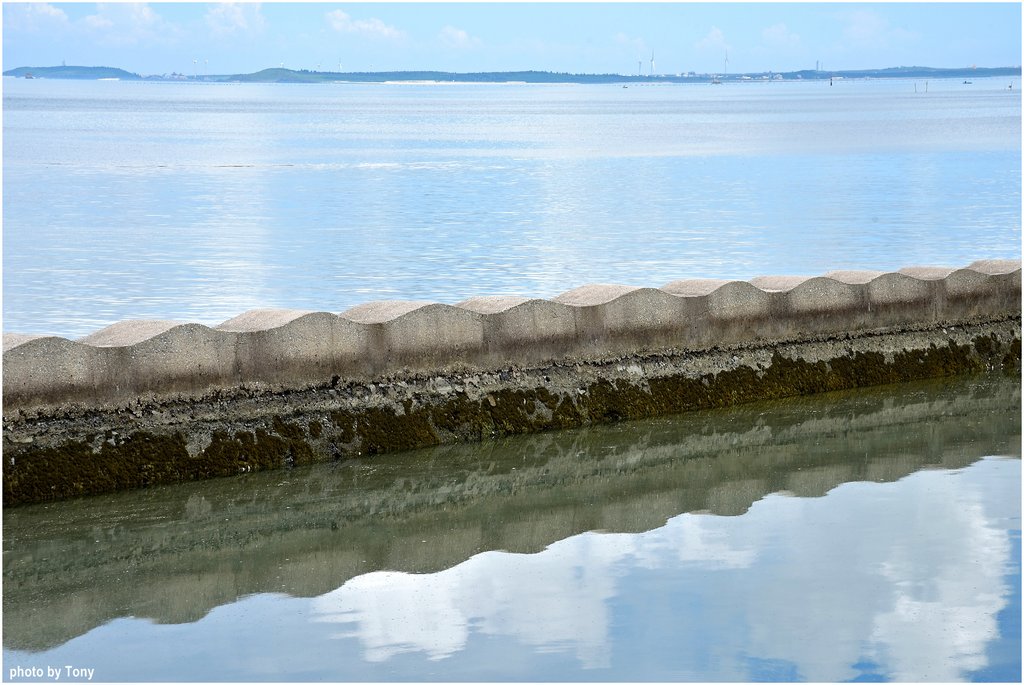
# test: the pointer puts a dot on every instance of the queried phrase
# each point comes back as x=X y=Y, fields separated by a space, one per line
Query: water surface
x=869 y=535
x=199 y=201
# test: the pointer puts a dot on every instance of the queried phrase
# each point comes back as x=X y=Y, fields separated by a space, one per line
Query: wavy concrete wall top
x=284 y=349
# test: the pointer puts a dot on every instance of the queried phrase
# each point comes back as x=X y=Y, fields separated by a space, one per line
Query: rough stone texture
x=261 y=320
x=130 y=332
x=12 y=340
x=928 y=273
x=492 y=304
x=858 y=277
x=778 y=283
x=528 y=333
x=694 y=287
x=139 y=403
x=995 y=266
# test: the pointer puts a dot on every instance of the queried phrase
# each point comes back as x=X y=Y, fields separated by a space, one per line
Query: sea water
x=861 y=536
x=197 y=202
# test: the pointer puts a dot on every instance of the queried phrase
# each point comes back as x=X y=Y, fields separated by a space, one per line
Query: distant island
x=281 y=75
x=81 y=73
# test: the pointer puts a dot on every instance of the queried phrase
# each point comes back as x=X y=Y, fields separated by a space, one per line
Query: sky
x=230 y=38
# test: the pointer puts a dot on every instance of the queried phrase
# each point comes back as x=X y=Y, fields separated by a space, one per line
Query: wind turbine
x=652 y=62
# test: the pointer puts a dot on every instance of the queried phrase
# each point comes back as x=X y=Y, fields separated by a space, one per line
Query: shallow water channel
x=869 y=535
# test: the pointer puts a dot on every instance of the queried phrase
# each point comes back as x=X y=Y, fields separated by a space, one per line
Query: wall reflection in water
x=866 y=535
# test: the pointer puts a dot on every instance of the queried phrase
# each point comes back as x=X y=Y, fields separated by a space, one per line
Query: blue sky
x=225 y=38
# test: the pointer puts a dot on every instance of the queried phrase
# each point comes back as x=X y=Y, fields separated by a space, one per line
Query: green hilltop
x=81 y=73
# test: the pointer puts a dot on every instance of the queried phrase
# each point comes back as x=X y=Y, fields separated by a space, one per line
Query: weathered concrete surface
x=140 y=403
x=58 y=454
x=291 y=350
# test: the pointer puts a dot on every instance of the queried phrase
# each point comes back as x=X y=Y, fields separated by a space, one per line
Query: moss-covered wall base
x=59 y=454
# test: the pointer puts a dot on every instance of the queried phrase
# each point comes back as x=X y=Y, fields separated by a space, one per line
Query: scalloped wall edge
x=293 y=349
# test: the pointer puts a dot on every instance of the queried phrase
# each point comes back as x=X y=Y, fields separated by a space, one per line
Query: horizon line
x=531 y=70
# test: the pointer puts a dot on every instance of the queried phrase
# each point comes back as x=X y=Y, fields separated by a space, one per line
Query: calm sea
x=197 y=202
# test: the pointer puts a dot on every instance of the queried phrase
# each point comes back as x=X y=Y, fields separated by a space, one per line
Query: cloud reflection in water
x=909 y=575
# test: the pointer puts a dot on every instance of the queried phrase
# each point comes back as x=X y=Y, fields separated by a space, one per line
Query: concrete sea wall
x=145 y=402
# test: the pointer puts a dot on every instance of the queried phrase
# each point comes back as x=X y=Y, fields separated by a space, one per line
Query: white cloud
x=700 y=543
x=396 y=612
x=374 y=28
x=457 y=38
x=867 y=29
x=639 y=44
x=948 y=608
x=559 y=597
x=714 y=41
x=129 y=24
x=229 y=18
x=921 y=599
x=863 y=26
x=780 y=37
x=34 y=17
x=98 y=22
